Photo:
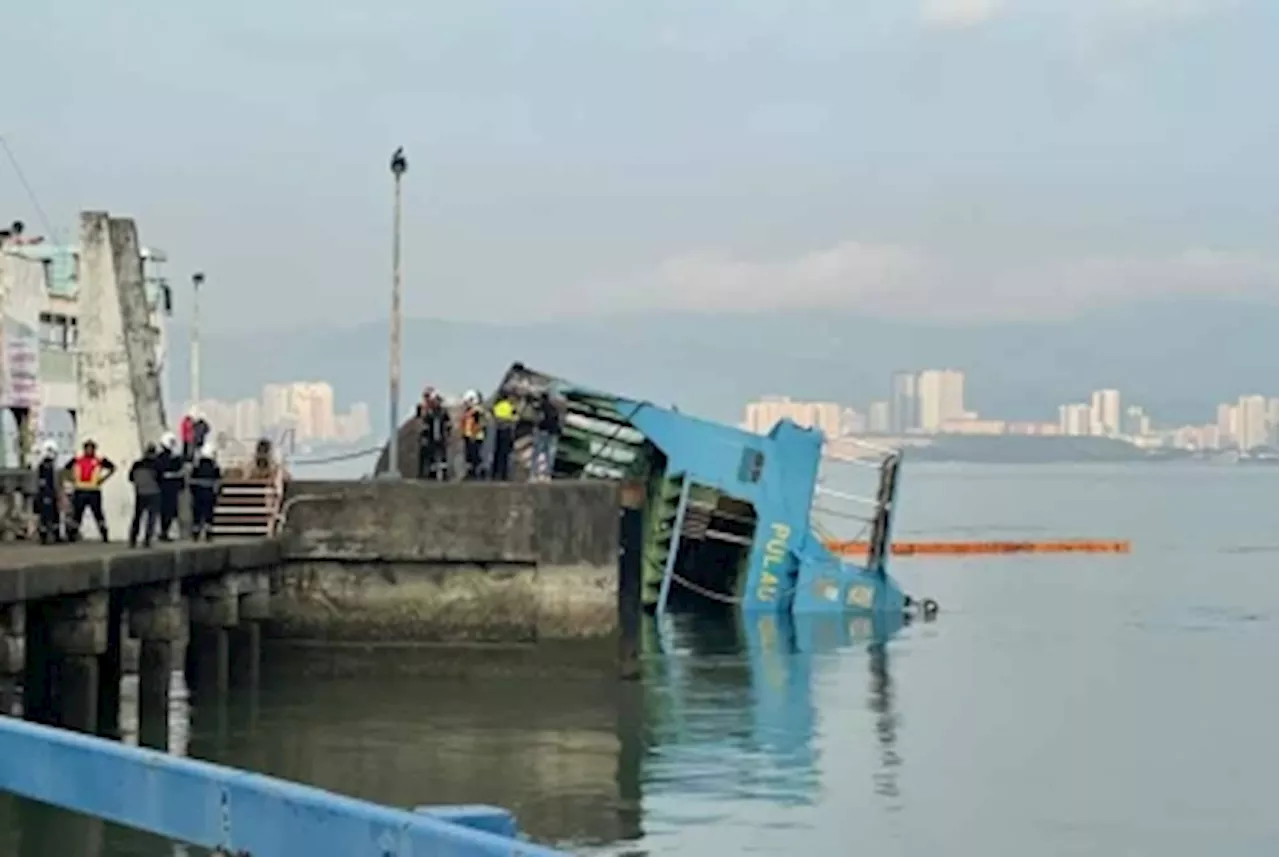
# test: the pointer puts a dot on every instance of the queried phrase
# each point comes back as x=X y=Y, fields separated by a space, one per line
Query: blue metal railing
x=234 y=811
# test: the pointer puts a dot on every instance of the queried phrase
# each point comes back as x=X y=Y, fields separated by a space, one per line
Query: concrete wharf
x=68 y=613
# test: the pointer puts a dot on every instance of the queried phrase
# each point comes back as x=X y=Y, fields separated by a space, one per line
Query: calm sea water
x=1059 y=705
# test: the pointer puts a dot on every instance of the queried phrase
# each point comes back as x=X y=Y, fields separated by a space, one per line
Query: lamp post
x=398 y=168
x=197 y=280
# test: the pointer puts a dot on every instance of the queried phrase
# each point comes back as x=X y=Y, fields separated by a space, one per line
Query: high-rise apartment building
x=1074 y=420
x=277 y=404
x=247 y=419
x=1136 y=422
x=904 y=403
x=1252 y=422
x=941 y=396
x=1104 y=413
x=1228 y=423
x=761 y=416
x=312 y=406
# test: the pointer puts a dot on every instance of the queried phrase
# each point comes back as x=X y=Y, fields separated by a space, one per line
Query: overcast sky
x=952 y=158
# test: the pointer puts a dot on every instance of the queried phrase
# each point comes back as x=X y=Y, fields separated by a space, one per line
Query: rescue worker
x=200 y=430
x=49 y=494
x=147 y=479
x=473 y=434
x=169 y=467
x=547 y=427
x=433 y=439
x=505 y=416
x=88 y=473
x=206 y=480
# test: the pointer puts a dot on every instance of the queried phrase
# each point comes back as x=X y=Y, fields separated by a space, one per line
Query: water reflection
x=732 y=720
x=881 y=702
x=725 y=731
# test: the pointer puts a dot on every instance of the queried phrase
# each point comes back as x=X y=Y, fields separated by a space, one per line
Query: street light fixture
x=399 y=166
x=197 y=280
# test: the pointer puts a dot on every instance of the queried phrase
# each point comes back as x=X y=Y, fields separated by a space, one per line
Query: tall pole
x=197 y=280
x=398 y=168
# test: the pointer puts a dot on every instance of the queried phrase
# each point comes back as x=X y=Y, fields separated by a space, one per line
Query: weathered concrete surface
x=32 y=571
x=427 y=562
x=118 y=379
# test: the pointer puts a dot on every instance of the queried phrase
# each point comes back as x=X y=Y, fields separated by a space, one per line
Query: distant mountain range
x=1178 y=358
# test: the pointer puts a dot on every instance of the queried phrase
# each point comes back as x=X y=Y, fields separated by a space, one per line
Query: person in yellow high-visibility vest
x=505 y=416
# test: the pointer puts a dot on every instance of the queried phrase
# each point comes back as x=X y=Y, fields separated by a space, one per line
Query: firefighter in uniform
x=88 y=473
x=433 y=438
x=206 y=479
x=49 y=494
x=169 y=467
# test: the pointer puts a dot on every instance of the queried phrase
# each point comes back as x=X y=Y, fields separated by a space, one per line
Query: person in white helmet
x=473 y=434
x=434 y=429
x=169 y=466
x=206 y=480
x=48 y=499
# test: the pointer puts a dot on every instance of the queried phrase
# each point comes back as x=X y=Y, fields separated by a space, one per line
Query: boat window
x=752 y=465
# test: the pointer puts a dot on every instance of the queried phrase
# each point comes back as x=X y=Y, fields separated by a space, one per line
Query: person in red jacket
x=187 y=434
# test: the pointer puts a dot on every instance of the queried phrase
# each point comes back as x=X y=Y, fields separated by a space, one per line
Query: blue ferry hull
x=743 y=500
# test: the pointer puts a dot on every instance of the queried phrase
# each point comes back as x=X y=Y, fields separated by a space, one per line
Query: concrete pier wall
x=427 y=562
x=118 y=388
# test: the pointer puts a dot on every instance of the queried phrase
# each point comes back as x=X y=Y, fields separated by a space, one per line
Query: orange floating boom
x=962 y=548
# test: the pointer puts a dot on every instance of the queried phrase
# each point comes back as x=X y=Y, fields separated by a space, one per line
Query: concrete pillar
x=37 y=674
x=111 y=668
x=254 y=595
x=118 y=380
x=630 y=580
x=78 y=634
x=246 y=654
x=215 y=608
x=13 y=655
x=158 y=619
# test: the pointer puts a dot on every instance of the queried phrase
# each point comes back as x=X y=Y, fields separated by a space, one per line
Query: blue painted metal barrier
x=238 y=812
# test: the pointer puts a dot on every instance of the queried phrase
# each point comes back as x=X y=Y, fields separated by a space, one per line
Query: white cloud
x=898 y=281
x=968 y=13
x=846 y=273
x=958 y=13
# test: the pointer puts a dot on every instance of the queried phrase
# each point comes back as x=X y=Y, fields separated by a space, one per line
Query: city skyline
x=305 y=407
x=932 y=402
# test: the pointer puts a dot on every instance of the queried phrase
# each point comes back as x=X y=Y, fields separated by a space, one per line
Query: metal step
x=247 y=507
